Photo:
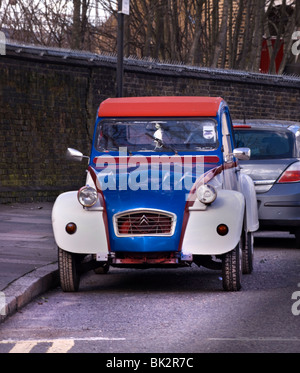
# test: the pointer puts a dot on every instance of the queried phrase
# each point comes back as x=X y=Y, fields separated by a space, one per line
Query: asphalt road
x=26 y=239
x=169 y=310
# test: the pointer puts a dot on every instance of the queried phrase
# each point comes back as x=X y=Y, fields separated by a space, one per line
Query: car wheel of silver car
x=232 y=268
x=248 y=253
x=69 y=274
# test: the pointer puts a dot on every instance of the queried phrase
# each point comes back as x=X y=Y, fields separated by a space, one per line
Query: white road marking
x=62 y=345
x=23 y=347
x=257 y=339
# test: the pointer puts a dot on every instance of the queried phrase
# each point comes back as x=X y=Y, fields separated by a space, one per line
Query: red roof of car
x=160 y=106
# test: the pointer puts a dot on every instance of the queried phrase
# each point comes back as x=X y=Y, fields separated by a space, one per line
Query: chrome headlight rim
x=206 y=194
x=87 y=196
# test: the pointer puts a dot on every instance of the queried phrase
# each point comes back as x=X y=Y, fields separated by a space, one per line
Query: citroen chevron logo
x=144 y=220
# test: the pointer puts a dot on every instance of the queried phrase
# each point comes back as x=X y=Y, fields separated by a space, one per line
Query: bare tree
x=256 y=37
x=227 y=33
x=279 y=25
x=194 y=56
x=220 y=46
x=287 y=39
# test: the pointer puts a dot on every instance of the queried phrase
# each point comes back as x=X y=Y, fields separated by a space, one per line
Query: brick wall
x=49 y=99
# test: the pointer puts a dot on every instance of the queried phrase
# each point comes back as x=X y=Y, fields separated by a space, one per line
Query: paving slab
x=28 y=254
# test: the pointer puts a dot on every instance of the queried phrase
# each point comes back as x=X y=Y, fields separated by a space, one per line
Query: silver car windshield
x=157 y=135
x=266 y=144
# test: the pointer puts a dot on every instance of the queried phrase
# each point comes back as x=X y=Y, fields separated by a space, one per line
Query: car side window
x=226 y=140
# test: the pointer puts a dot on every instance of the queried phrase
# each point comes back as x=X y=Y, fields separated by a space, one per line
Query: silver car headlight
x=87 y=196
x=206 y=193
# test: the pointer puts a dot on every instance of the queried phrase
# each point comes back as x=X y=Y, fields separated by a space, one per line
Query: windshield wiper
x=161 y=143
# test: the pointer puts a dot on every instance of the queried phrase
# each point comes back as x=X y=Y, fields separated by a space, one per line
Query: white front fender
x=248 y=190
x=201 y=237
x=90 y=236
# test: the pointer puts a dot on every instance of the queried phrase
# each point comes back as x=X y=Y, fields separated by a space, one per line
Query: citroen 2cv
x=163 y=189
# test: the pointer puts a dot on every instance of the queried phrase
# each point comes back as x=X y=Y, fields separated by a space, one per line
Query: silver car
x=274 y=167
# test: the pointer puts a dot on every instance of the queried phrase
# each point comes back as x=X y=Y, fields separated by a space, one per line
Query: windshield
x=157 y=135
x=265 y=144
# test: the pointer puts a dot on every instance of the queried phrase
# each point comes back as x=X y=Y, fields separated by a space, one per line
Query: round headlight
x=87 y=196
x=206 y=193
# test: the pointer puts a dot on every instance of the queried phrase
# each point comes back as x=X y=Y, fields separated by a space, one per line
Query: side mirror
x=75 y=154
x=243 y=154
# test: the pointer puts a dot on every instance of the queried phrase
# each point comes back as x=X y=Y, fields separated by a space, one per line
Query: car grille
x=144 y=222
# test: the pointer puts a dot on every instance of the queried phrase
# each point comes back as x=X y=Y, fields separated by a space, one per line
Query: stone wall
x=49 y=99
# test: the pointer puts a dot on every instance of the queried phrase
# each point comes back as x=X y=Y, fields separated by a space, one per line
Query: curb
x=21 y=291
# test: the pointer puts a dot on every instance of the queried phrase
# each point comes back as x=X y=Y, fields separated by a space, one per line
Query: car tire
x=68 y=267
x=248 y=253
x=232 y=269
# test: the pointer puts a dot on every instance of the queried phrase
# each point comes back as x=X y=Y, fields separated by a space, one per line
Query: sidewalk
x=28 y=254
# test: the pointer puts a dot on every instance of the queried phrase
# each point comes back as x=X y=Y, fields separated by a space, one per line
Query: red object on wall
x=265 y=58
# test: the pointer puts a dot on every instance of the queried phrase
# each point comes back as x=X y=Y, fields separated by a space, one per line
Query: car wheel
x=297 y=234
x=248 y=253
x=232 y=268
x=68 y=267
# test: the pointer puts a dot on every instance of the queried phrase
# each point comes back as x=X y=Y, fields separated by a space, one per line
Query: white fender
x=90 y=236
x=248 y=190
x=201 y=237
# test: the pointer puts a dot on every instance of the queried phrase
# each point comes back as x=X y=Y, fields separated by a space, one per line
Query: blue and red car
x=163 y=189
